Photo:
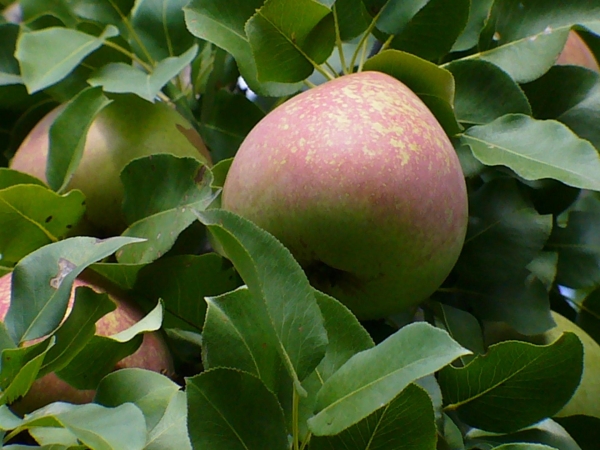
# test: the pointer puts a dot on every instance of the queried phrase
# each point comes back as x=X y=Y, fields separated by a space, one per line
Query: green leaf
x=346 y=338
x=158 y=29
x=233 y=410
x=536 y=149
x=584 y=429
x=222 y=23
x=182 y=282
x=20 y=367
x=160 y=399
x=578 y=246
x=228 y=123
x=545 y=433
x=10 y=177
x=484 y=92
x=507 y=389
x=122 y=275
x=525 y=37
x=99 y=428
x=504 y=234
x=115 y=12
x=102 y=353
x=374 y=377
x=68 y=134
x=289 y=38
x=238 y=336
x=524 y=446
x=434 y=85
x=42 y=281
x=47 y=56
x=280 y=285
x=571 y=95
x=433 y=30
x=161 y=193
x=352 y=18
x=32 y=216
x=478 y=14
x=462 y=327
x=77 y=330
x=407 y=422
x=9 y=66
x=124 y=78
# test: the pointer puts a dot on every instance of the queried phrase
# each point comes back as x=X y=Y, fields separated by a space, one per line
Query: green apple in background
x=128 y=128
x=153 y=354
x=359 y=180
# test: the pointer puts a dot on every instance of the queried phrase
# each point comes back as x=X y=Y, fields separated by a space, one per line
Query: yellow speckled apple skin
x=356 y=175
x=153 y=354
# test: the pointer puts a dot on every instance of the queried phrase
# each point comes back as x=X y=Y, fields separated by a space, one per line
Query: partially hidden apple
x=576 y=52
x=128 y=128
x=153 y=354
x=359 y=180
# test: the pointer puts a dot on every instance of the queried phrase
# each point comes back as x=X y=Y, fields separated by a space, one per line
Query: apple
x=128 y=128
x=359 y=180
x=153 y=354
x=576 y=52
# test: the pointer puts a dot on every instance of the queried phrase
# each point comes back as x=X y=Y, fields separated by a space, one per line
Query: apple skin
x=360 y=182
x=128 y=128
x=153 y=354
x=576 y=52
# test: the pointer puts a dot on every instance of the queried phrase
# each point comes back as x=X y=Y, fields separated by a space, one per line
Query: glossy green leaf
x=42 y=281
x=570 y=95
x=546 y=433
x=433 y=30
x=77 y=330
x=47 y=56
x=374 y=377
x=346 y=338
x=504 y=234
x=115 y=12
x=434 y=85
x=160 y=399
x=10 y=177
x=272 y=275
x=20 y=368
x=237 y=335
x=101 y=355
x=525 y=37
x=222 y=134
x=536 y=149
x=122 y=275
x=233 y=410
x=32 y=216
x=463 y=327
x=578 y=246
x=484 y=92
x=478 y=14
x=161 y=193
x=182 y=282
x=68 y=134
x=158 y=29
x=352 y=18
x=407 y=422
x=223 y=25
x=507 y=389
x=289 y=37
x=9 y=66
x=124 y=78
x=99 y=428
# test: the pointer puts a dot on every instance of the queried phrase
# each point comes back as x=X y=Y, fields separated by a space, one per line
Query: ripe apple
x=153 y=353
x=128 y=128
x=576 y=52
x=358 y=179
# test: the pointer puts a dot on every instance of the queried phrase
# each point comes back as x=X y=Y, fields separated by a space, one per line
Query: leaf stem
x=365 y=36
x=129 y=54
x=310 y=84
x=338 y=41
x=387 y=43
x=295 y=427
x=363 y=55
